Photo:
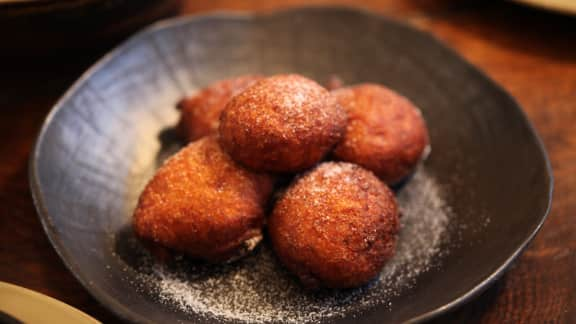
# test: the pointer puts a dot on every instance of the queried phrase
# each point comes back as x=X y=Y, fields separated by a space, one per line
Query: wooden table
x=530 y=53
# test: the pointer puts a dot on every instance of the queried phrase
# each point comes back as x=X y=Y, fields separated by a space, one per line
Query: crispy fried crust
x=285 y=123
x=386 y=132
x=200 y=114
x=336 y=226
x=200 y=202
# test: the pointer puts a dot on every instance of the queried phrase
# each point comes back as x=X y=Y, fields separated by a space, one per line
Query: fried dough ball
x=202 y=203
x=386 y=132
x=284 y=123
x=201 y=112
x=336 y=226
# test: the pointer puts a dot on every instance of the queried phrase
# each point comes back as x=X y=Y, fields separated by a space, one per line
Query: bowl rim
x=127 y=314
x=557 y=6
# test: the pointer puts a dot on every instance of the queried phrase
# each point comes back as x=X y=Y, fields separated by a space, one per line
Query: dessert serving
x=335 y=225
x=386 y=132
x=284 y=123
x=202 y=203
x=213 y=237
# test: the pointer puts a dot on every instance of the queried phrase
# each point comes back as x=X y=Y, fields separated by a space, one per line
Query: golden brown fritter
x=386 y=132
x=201 y=112
x=284 y=123
x=336 y=226
x=202 y=203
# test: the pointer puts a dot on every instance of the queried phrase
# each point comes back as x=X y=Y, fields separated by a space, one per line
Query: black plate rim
x=125 y=313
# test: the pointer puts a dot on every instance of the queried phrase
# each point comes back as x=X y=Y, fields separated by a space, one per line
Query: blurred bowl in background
x=563 y=6
x=38 y=27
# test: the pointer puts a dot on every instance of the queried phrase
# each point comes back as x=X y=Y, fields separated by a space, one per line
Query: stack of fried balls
x=335 y=225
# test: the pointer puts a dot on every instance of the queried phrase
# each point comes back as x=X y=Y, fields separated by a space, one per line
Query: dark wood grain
x=530 y=53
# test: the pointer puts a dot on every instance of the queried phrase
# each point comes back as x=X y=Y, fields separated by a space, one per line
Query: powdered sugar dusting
x=258 y=289
x=332 y=169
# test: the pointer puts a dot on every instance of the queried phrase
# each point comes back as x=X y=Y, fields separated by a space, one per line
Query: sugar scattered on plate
x=257 y=289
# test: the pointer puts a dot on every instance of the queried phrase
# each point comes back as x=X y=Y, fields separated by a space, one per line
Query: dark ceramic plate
x=469 y=210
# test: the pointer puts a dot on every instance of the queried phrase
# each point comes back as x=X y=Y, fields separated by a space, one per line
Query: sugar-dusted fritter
x=200 y=113
x=385 y=134
x=203 y=204
x=336 y=226
x=284 y=123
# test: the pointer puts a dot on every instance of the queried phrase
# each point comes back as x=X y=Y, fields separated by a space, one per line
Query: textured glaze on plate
x=106 y=136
